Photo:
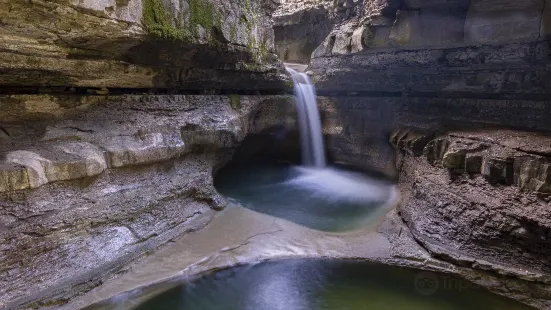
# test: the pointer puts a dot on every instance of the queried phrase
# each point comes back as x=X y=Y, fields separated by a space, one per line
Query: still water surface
x=327 y=285
x=328 y=199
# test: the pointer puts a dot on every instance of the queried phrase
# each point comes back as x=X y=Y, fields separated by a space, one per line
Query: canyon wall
x=138 y=44
x=451 y=98
x=115 y=116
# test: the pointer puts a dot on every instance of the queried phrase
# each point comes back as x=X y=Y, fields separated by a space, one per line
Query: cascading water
x=321 y=196
x=313 y=153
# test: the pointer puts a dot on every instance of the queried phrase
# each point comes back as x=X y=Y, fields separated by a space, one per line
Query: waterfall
x=313 y=152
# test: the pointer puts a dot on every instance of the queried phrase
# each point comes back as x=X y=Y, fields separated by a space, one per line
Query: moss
x=233 y=33
x=252 y=45
x=201 y=13
x=235 y=101
x=159 y=22
x=47 y=303
x=249 y=9
x=263 y=50
x=33 y=62
x=368 y=37
x=289 y=84
x=73 y=53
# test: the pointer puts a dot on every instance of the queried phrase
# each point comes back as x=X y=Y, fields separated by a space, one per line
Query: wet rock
x=410 y=140
x=454 y=159
x=13 y=177
x=143 y=148
x=545 y=31
x=532 y=173
x=435 y=150
x=299 y=33
x=503 y=21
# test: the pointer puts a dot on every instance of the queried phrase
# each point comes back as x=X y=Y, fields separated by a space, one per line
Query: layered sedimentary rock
x=86 y=185
x=300 y=27
x=433 y=64
x=138 y=44
x=479 y=197
x=102 y=156
x=449 y=93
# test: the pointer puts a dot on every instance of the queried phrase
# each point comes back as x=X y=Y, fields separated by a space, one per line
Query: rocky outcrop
x=104 y=155
x=300 y=27
x=88 y=183
x=436 y=65
x=479 y=198
x=141 y=44
x=429 y=48
x=435 y=73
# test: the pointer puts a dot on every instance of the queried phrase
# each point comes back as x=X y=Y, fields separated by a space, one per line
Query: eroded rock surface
x=89 y=183
x=479 y=198
x=191 y=44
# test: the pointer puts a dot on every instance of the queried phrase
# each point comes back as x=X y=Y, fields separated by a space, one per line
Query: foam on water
x=338 y=185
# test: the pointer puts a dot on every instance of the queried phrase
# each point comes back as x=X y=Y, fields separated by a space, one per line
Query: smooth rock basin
x=328 y=199
x=315 y=284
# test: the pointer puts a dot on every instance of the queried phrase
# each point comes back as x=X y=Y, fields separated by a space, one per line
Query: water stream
x=314 y=194
x=313 y=152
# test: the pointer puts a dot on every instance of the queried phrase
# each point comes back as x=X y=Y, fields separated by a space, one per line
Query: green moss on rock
x=233 y=33
x=159 y=22
x=201 y=13
x=122 y=3
x=235 y=101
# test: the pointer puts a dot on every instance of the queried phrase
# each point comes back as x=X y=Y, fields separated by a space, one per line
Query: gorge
x=133 y=133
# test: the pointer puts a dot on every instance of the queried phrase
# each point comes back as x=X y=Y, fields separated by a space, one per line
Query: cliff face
x=104 y=154
x=138 y=44
x=453 y=96
x=88 y=184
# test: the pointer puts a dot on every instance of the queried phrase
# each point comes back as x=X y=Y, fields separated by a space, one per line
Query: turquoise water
x=327 y=285
x=328 y=199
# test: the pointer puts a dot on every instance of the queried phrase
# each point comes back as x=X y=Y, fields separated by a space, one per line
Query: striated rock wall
x=102 y=156
x=89 y=183
x=300 y=27
x=431 y=64
x=147 y=44
x=479 y=198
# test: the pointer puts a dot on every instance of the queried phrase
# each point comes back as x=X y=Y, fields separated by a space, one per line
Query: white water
x=313 y=152
x=321 y=181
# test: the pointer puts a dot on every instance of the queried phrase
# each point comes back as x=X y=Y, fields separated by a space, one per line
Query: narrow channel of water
x=327 y=285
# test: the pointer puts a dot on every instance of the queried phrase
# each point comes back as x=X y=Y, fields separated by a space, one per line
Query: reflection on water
x=327 y=285
x=328 y=199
